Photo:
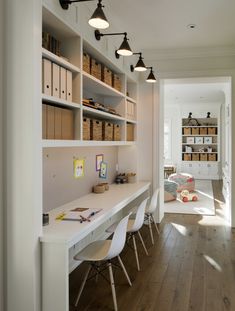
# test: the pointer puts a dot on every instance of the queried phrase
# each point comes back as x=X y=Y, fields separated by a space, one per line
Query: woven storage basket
x=187 y=157
x=99 y=188
x=203 y=130
x=116 y=82
x=86 y=62
x=107 y=131
x=105 y=184
x=195 y=131
x=187 y=131
x=211 y=130
x=203 y=157
x=195 y=157
x=96 y=130
x=95 y=69
x=116 y=132
x=106 y=75
x=86 y=129
x=212 y=157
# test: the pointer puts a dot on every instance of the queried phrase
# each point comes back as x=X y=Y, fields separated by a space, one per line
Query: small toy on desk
x=186 y=196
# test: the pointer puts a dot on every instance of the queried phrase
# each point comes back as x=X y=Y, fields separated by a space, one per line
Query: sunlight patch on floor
x=181 y=229
x=213 y=263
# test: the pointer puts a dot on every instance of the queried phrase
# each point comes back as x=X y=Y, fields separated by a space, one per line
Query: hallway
x=190 y=267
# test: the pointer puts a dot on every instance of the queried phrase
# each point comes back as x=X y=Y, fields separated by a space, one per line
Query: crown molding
x=165 y=54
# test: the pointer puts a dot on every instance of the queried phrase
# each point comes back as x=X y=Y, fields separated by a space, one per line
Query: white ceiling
x=183 y=91
x=162 y=24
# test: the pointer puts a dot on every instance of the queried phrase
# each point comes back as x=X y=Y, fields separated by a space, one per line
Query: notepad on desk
x=81 y=214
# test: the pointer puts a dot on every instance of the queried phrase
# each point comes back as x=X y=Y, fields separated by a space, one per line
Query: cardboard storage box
x=96 y=130
x=116 y=82
x=86 y=62
x=195 y=157
x=195 y=130
x=116 y=132
x=95 y=69
x=107 y=130
x=211 y=130
x=86 y=129
x=187 y=157
x=130 y=132
x=187 y=131
x=212 y=157
x=107 y=75
x=203 y=157
x=203 y=130
x=67 y=124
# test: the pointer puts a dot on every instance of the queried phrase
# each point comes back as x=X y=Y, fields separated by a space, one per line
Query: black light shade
x=124 y=48
x=151 y=78
x=98 y=18
x=140 y=66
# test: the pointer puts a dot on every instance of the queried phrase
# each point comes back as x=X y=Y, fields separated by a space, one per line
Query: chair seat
x=130 y=224
x=95 y=251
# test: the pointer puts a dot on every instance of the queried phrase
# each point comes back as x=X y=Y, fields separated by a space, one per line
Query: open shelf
x=59 y=60
x=47 y=143
x=131 y=100
x=95 y=85
x=104 y=115
x=59 y=101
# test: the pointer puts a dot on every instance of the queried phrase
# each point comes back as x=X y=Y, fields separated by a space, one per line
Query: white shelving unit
x=84 y=85
x=200 y=156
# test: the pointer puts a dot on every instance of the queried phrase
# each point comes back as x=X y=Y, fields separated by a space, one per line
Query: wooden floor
x=190 y=267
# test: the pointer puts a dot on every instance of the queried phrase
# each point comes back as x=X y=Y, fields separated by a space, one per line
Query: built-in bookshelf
x=200 y=139
x=66 y=87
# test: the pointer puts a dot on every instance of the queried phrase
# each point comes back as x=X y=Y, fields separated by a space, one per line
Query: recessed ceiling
x=162 y=24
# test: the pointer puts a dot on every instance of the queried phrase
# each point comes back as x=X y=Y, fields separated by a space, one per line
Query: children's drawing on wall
x=78 y=168
x=103 y=169
x=99 y=158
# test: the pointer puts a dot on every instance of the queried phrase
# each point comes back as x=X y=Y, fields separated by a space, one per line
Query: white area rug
x=204 y=205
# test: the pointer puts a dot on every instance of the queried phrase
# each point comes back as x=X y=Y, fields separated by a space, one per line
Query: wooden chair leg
x=142 y=242
x=155 y=224
x=124 y=270
x=136 y=253
x=150 y=229
x=112 y=286
x=82 y=286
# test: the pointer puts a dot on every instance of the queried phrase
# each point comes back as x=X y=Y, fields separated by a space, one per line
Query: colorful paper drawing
x=98 y=160
x=103 y=169
x=78 y=168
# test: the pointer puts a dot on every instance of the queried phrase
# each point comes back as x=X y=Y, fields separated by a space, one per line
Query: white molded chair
x=133 y=228
x=150 y=212
x=105 y=250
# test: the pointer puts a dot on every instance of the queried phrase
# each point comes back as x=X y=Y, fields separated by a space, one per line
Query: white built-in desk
x=59 y=237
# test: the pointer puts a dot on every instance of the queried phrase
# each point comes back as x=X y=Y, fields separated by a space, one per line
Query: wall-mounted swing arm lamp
x=151 y=78
x=124 y=48
x=140 y=66
x=98 y=18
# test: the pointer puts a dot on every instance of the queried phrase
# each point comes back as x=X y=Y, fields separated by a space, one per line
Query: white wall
x=59 y=185
x=22 y=154
x=1 y=161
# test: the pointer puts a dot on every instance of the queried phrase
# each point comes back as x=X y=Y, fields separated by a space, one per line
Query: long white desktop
x=60 y=237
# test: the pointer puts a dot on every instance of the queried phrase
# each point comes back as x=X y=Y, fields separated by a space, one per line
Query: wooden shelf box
x=203 y=130
x=107 y=75
x=195 y=157
x=211 y=130
x=130 y=132
x=96 y=130
x=86 y=129
x=195 y=131
x=187 y=131
x=107 y=131
x=203 y=157
x=212 y=157
x=187 y=157
x=116 y=82
x=86 y=62
x=116 y=132
x=95 y=69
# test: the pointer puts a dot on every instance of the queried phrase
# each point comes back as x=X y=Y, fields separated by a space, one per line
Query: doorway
x=198 y=96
